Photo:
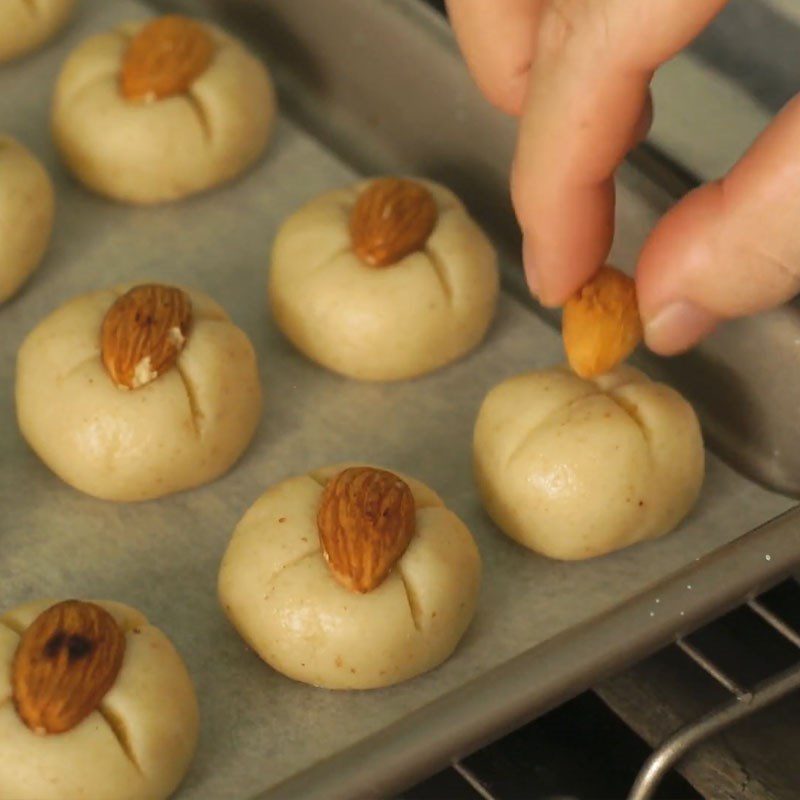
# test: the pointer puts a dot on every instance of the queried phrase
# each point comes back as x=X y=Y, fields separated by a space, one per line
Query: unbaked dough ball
x=201 y=113
x=291 y=602
x=134 y=743
x=27 y=24
x=575 y=468
x=342 y=301
x=131 y=395
x=26 y=214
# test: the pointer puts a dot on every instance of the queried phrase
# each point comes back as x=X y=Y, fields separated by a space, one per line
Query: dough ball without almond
x=183 y=429
x=152 y=150
x=575 y=468
x=27 y=24
x=137 y=744
x=280 y=594
x=27 y=204
x=382 y=323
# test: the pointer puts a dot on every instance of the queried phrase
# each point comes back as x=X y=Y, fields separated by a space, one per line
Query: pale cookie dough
x=382 y=323
x=27 y=24
x=575 y=468
x=155 y=150
x=184 y=428
x=136 y=745
x=278 y=591
x=27 y=203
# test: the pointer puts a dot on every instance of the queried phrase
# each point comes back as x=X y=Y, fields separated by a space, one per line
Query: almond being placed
x=143 y=333
x=391 y=218
x=601 y=326
x=95 y=702
x=366 y=521
x=350 y=577
x=384 y=280
x=133 y=393
x=65 y=663
x=164 y=58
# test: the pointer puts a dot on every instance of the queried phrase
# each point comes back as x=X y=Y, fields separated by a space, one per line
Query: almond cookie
x=27 y=203
x=575 y=468
x=28 y=24
x=157 y=111
x=385 y=280
x=351 y=578
x=131 y=394
x=94 y=703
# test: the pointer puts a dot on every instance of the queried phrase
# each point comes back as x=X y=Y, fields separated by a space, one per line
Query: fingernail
x=529 y=263
x=677 y=327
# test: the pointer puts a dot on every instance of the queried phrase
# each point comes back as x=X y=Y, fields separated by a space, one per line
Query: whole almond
x=392 y=218
x=143 y=333
x=366 y=520
x=164 y=58
x=601 y=326
x=66 y=662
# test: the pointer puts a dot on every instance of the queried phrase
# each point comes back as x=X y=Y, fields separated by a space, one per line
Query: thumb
x=730 y=248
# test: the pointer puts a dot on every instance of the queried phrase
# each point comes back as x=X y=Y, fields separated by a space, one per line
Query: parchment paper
x=162 y=557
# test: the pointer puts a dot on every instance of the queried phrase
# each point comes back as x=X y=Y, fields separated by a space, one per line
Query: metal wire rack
x=743 y=699
x=743 y=702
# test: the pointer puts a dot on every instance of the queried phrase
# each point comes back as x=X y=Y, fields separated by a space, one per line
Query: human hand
x=577 y=73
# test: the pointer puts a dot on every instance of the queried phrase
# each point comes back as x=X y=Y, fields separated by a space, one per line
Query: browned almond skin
x=366 y=520
x=66 y=662
x=601 y=326
x=392 y=218
x=148 y=322
x=164 y=58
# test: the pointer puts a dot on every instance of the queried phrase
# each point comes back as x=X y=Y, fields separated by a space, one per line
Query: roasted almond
x=66 y=662
x=392 y=218
x=143 y=333
x=366 y=520
x=164 y=58
x=601 y=326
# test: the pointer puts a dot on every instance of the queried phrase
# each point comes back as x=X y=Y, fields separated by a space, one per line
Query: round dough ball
x=386 y=323
x=279 y=593
x=27 y=24
x=27 y=204
x=157 y=150
x=138 y=744
x=575 y=468
x=185 y=428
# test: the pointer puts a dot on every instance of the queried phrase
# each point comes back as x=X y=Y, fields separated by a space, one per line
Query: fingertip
x=567 y=235
x=550 y=282
x=679 y=252
x=677 y=327
x=680 y=248
x=505 y=93
x=529 y=265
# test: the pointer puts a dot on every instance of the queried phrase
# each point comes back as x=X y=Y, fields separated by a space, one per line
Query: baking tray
x=544 y=630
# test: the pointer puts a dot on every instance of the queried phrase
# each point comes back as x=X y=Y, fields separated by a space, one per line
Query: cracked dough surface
x=184 y=429
x=27 y=205
x=277 y=590
x=27 y=24
x=390 y=323
x=154 y=151
x=136 y=746
x=575 y=468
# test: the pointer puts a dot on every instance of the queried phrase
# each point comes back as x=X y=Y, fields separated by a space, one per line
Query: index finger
x=586 y=97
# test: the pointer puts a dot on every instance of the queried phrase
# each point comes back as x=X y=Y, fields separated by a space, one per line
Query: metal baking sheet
x=543 y=629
